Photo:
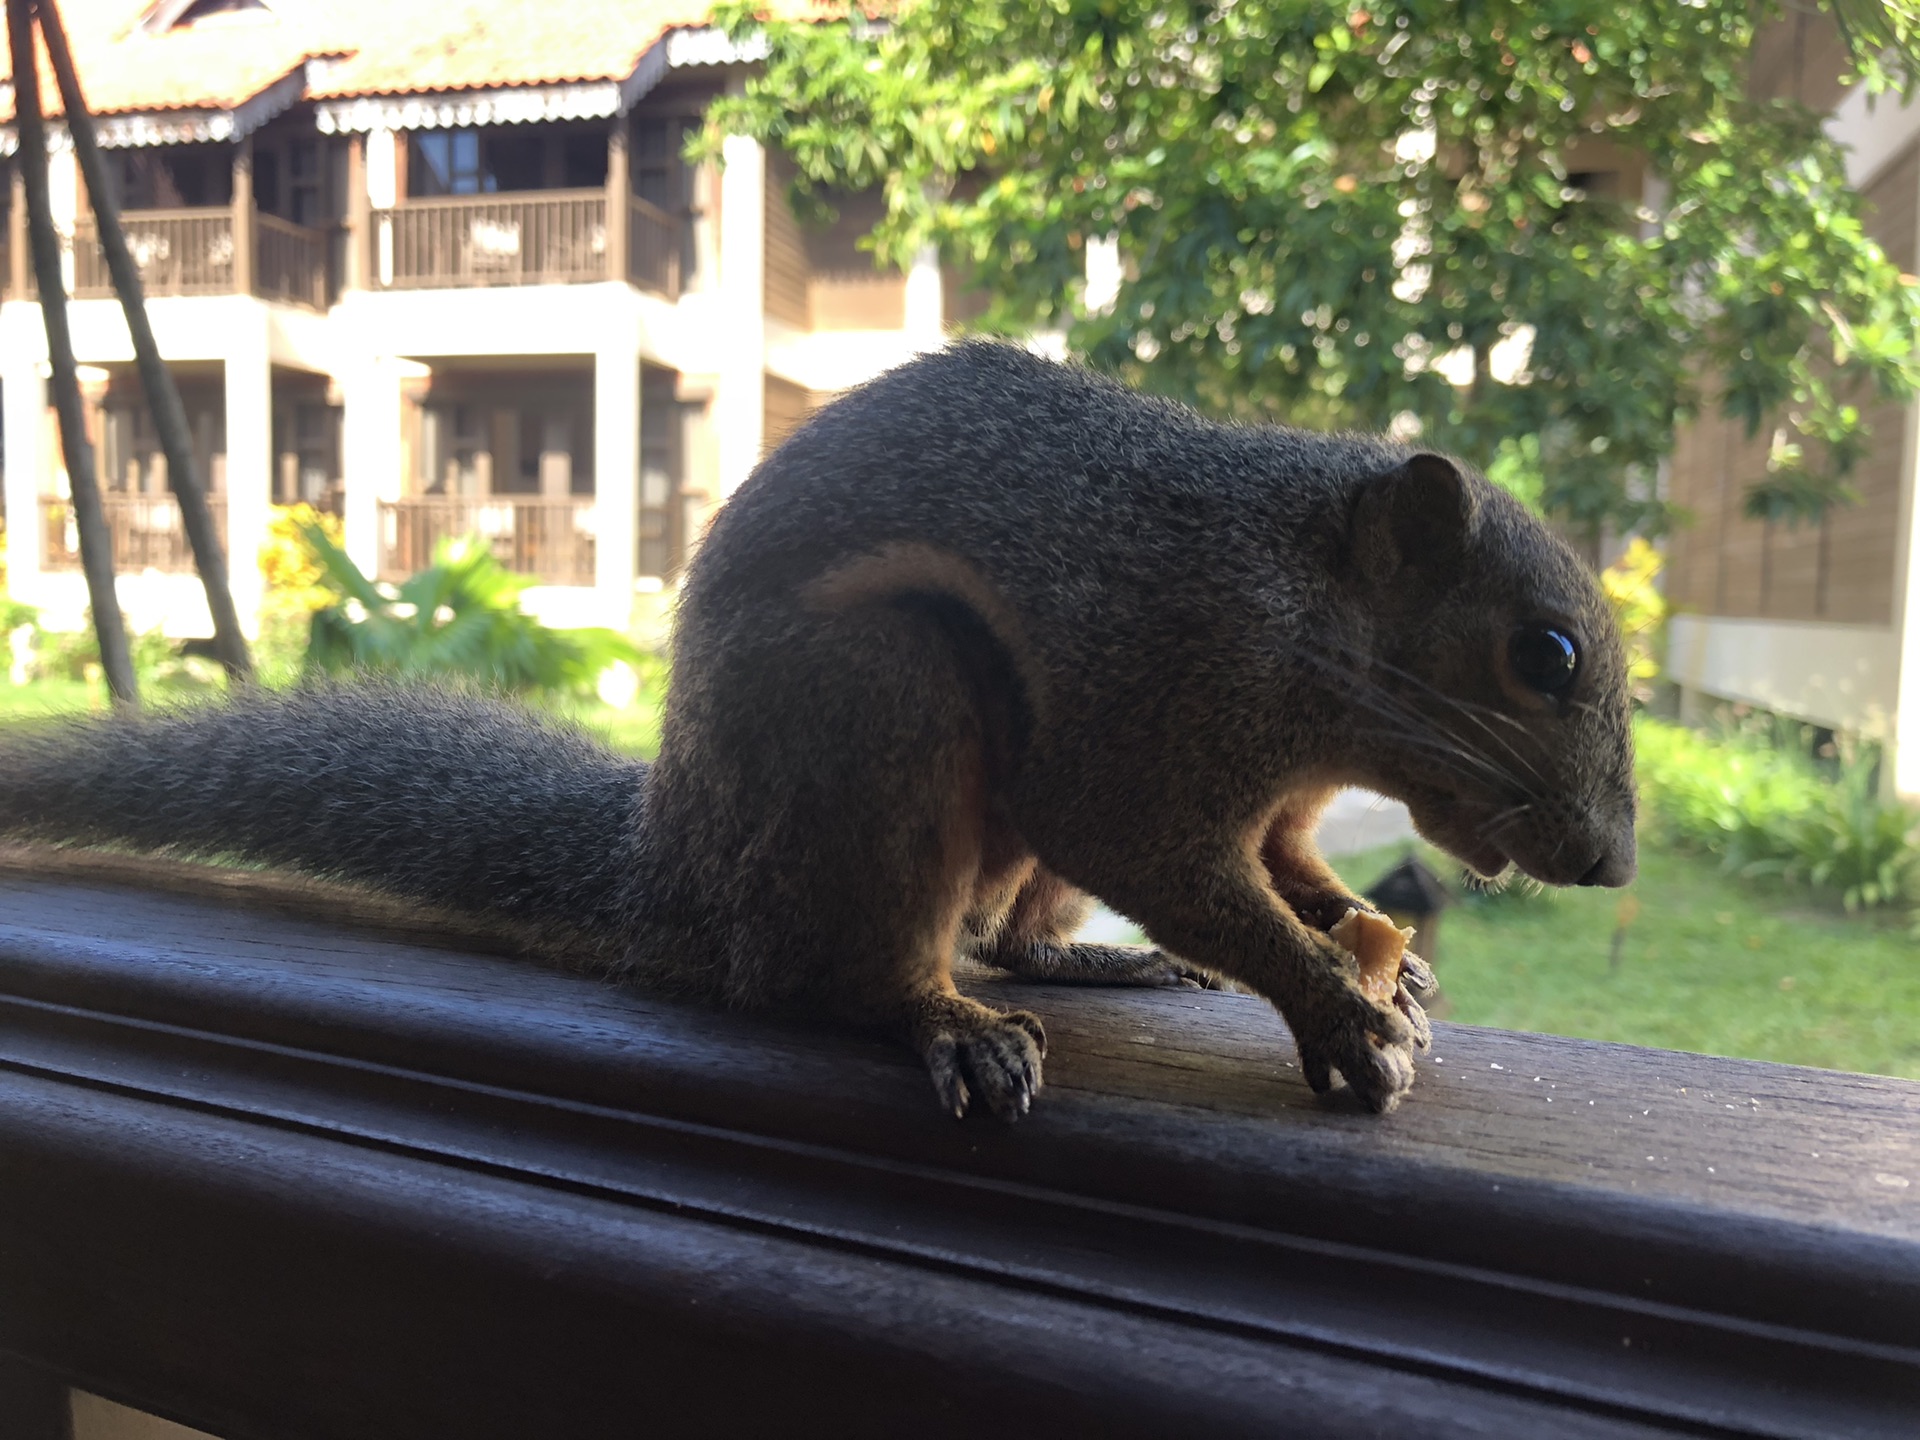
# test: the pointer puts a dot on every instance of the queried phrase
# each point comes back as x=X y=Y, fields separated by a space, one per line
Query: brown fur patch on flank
x=902 y=569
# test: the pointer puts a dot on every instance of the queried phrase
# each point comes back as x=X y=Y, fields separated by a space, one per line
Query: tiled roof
x=476 y=44
x=378 y=47
x=202 y=67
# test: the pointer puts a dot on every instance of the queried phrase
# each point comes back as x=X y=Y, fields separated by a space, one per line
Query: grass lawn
x=1710 y=963
x=46 y=698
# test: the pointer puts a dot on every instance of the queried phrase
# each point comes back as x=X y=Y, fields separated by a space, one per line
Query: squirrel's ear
x=1419 y=517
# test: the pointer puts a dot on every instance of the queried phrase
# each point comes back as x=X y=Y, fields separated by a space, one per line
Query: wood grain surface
x=277 y=1178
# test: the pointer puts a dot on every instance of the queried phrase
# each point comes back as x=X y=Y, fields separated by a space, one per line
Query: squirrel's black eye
x=1544 y=657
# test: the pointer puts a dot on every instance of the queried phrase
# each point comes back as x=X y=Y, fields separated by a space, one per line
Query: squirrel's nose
x=1615 y=868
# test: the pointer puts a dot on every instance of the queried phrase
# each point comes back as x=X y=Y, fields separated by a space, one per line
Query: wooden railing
x=146 y=531
x=545 y=237
x=654 y=239
x=190 y=252
x=268 y=1175
x=290 y=262
x=551 y=540
x=535 y=238
x=178 y=252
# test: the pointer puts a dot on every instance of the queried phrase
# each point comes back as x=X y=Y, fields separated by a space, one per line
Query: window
x=306 y=447
x=447 y=162
x=505 y=158
x=662 y=178
x=455 y=451
x=173 y=177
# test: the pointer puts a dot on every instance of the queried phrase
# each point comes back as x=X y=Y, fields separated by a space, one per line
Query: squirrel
x=986 y=636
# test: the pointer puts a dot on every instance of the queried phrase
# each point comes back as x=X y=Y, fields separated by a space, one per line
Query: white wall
x=1842 y=676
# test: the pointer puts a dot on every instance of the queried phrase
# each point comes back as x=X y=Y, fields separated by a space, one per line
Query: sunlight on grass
x=47 y=699
x=1709 y=964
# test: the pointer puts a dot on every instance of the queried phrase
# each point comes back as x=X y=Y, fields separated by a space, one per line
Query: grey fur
x=983 y=635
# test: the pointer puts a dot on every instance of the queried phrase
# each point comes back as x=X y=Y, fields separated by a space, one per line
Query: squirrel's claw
x=1370 y=1045
x=1416 y=974
x=987 y=1055
x=1416 y=1015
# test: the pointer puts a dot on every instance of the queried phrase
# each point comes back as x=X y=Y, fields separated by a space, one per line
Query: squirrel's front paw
x=974 y=1052
x=1370 y=1045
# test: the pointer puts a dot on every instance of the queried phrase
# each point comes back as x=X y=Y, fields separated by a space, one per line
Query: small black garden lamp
x=1411 y=894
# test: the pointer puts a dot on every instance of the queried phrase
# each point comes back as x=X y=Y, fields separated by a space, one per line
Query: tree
x=1379 y=213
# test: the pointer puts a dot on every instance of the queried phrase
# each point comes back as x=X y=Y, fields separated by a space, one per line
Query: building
x=1818 y=623
x=442 y=270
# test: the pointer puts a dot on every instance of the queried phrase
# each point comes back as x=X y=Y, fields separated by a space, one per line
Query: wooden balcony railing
x=146 y=531
x=179 y=252
x=550 y=540
x=536 y=238
x=191 y=252
x=291 y=262
x=554 y=236
x=275 y=1176
x=653 y=248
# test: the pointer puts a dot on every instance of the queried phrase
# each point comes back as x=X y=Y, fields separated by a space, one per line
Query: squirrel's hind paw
x=973 y=1052
x=1077 y=963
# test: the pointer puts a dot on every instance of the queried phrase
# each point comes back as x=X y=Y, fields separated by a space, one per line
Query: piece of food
x=1378 y=945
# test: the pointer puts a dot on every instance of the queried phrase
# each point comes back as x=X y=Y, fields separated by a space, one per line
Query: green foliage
x=158 y=666
x=1348 y=215
x=1632 y=587
x=458 y=619
x=13 y=613
x=1764 y=809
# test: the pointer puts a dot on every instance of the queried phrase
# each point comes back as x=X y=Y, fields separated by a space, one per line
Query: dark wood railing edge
x=450 y=1129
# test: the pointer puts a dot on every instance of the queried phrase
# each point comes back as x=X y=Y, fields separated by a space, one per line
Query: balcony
x=549 y=237
x=550 y=540
x=192 y=252
x=146 y=530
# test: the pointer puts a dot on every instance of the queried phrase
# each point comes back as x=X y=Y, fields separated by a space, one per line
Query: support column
x=23 y=393
x=740 y=395
x=19 y=262
x=619 y=210
x=243 y=217
x=1902 y=774
x=616 y=478
x=926 y=301
x=249 y=397
x=370 y=459
x=383 y=191
x=63 y=198
x=1901 y=771
x=359 y=217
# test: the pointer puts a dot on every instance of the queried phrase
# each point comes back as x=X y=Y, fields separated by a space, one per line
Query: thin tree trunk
x=163 y=398
x=96 y=546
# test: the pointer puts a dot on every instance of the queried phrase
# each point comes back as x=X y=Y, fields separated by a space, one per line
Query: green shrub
x=158 y=665
x=1632 y=585
x=458 y=619
x=13 y=614
x=1759 y=803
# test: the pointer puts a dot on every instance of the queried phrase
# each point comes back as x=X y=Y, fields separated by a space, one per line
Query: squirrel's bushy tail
x=465 y=803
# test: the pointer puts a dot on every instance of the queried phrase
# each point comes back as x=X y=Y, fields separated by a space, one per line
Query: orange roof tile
x=379 y=47
x=201 y=67
x=481 y=44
